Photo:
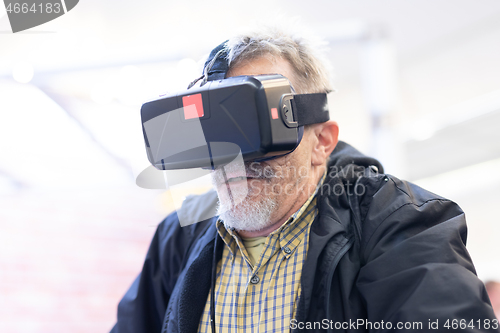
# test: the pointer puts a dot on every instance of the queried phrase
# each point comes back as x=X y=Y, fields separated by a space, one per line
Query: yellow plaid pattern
x=261 y=297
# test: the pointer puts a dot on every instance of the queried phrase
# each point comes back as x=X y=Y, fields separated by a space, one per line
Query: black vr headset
x=209 y=125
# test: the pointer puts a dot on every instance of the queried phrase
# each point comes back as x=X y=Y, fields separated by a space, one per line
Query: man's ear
x=327 y=136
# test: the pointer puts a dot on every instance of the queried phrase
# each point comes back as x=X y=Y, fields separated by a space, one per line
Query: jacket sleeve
x=143 y=306
x=416 y=270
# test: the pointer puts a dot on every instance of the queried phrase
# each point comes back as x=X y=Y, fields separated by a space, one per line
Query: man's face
x=257 y=194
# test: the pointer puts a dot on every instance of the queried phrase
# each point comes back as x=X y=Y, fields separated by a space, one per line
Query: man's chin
x=252 y=214
x=242 y=222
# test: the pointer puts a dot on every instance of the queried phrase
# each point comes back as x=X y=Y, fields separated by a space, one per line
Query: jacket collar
x=332 y=230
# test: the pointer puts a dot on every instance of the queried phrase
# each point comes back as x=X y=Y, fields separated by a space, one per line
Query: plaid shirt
x=261 y=298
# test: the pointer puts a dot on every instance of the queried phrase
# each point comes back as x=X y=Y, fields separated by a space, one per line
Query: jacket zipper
x=336 y=261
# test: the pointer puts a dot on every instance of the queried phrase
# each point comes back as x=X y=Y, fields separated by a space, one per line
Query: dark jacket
x=381 y=250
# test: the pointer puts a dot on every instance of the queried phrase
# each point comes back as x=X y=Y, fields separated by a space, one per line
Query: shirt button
x=255 y=279
x=287 y=250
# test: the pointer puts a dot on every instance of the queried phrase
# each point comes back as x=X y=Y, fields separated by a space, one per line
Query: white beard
x=238 y=206
x=247 y=215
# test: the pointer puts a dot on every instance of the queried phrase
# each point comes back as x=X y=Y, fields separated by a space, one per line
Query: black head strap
x=215 y=67
x=310 y=108
x=217 y=63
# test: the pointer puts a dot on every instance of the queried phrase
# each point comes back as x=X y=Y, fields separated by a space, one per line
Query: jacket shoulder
x=389 y=203
x=413 y=254
x=143 y=307
x=379 y=201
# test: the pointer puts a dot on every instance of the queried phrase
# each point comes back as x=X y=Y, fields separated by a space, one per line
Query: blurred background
x=418 y=86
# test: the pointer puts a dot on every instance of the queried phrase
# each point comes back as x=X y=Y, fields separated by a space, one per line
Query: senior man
x=323 y=241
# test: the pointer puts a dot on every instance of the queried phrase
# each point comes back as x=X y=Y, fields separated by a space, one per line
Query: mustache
x=259 y=170
x=255 y=170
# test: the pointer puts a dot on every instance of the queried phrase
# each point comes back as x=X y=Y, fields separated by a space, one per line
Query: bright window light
x=2 y=11
x=22 y=72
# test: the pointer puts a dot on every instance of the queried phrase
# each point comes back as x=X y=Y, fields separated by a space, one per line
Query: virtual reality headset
x=208 y=126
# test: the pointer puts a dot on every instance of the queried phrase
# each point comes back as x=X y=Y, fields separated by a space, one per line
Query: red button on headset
x=193 y=106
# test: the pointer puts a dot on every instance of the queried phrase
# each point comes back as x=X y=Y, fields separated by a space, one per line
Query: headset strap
x=217 y=64
x=310 y=108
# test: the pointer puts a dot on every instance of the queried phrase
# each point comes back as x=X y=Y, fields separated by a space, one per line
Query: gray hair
x=310 y=68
